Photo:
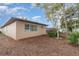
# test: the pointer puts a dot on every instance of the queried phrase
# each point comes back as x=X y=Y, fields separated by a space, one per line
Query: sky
x=22 y=10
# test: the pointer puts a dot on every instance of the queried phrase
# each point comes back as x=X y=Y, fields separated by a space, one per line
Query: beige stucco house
x=17 y=28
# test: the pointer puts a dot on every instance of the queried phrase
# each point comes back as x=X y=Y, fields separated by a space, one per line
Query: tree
x=57 y=11
x=52 y=12
x=67 y=21
x=72 y=17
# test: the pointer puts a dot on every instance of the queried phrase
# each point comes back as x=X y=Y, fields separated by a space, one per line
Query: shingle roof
x=13 y=19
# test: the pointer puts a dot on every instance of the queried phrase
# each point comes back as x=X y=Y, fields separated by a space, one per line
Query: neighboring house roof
x=18 y=19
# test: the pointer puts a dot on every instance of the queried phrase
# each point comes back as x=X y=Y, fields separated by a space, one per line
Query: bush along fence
x=73 y=38
x=52 y=33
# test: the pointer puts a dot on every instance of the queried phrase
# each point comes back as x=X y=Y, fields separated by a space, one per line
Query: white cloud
x=15 y=9
x=36 y=18
x=22 y=8
x=21 y=17
x=8 y=10
x=33 y=5
x=3 y=7
x=3 y=10
x=4 y=4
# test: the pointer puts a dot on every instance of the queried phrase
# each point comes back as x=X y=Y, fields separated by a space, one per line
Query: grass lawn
x=42 y=45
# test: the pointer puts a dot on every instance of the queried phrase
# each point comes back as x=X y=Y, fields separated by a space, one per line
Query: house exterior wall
x=10 y=30
x=21 y=33
x=16 y=30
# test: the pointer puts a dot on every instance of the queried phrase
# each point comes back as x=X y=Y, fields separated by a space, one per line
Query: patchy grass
x=1 y=33
x=37 y=46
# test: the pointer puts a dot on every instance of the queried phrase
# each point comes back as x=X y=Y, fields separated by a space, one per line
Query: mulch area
x=37 y=46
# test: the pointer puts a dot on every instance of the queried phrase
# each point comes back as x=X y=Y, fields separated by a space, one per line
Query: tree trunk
x=58 y=35
x=65 y=20
x=75 y=26
x=56 y=26
x=66 y=27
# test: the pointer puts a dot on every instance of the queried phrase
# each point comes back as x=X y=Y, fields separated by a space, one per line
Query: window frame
x=26 y=29
x=29 y=30
x=34 y=30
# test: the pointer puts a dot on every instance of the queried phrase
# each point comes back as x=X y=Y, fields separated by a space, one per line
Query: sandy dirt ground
x=37 y=46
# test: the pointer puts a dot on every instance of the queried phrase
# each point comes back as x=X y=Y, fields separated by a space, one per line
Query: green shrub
x=52 y=34
x=0 y=32
x=73 y=38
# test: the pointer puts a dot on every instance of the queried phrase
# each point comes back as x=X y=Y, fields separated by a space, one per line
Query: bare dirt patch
x=37 y=46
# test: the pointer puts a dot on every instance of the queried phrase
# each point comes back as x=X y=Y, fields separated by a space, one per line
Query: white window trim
x=25 y=29
x=30 y=28
x=36 y=30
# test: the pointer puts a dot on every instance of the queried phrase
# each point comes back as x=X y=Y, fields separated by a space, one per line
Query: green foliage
x=77 y=5
x=52 y=33
x=73 y=38
x=0 y=32
x=69 y=10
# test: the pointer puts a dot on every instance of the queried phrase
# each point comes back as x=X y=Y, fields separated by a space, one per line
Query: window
x=33 y=28
x=27 y=27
